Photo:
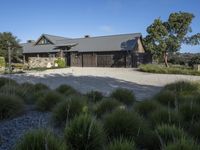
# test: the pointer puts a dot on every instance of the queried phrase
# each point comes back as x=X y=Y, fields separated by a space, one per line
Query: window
x=43 y=41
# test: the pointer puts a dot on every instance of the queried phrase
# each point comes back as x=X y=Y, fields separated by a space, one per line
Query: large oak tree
x=7 y=39
x=168 y=36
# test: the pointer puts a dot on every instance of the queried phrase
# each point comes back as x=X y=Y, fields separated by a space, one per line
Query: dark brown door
x=104 y=60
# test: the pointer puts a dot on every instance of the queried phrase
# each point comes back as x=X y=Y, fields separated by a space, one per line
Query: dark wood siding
x=89 y=60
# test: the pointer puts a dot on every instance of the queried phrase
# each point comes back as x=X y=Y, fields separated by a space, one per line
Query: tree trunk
x=165 y=59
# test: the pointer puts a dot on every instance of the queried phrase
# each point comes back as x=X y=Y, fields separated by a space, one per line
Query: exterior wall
x=41 y=62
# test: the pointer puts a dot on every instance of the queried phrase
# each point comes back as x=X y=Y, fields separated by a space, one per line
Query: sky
x=28 y=19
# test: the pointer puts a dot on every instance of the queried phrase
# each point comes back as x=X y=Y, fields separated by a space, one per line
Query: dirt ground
x=105 y=80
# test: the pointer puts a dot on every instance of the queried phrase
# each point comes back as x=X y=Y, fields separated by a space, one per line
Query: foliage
x=16 y=50
x=182 y=144
x=182 y=86
x=164 y=37
x=122 y=123
x=7 y=81
x=10 y=106
x=167 y=98
x=107 y=105
x=164 y=116
x=194 y=60
x=94 y=96
x=121 y=144
x=146 y=107
x=66 y=90
x=2 y=62
x=194 y=130
x=84 y=132
x=39 y=140
x=68 y=109
x=124 y=95
x=61 y=62
x=154 y=68
x=49 y=101
x=40 y=86
x=169 y=133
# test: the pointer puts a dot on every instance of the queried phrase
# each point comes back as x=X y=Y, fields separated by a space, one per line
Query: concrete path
x=105 y=80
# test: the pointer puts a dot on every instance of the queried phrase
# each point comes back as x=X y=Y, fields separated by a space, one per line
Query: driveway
x=105 y=80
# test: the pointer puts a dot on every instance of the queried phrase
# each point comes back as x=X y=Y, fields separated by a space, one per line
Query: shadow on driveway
x=88 y=83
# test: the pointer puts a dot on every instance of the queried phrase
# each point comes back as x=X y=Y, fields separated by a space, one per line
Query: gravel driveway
x=103 y=79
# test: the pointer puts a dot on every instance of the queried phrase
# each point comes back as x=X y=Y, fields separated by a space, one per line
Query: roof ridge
x=54 y=35
x=108 y=35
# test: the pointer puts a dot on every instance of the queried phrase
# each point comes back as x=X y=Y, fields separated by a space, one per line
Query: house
x=124 y=50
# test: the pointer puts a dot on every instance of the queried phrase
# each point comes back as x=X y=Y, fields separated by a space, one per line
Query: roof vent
x=87 y=36
x=30 y=41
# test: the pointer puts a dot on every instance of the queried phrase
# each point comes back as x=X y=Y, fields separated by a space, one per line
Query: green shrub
x=39 y=140
x=146 y=107
x=121 y=144
x=183 y=144
x=7 y=81
x=107 y=105
x=94 y=96
x=123 y=95
x=194 y=130
x=84 y=132
x=167 y=98
x=49 y=101
x=182 y=86
x=148 y=140
x=2 y=62
x=40 y=86
x=66 y=90
x=61 y=62
x=164 y=116
x=169 y=134
x=68 y=109
x=10 y=106
x=189 y=113
x=122 y=123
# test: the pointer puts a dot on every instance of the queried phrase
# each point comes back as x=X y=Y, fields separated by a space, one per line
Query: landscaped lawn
x=173 y=69
x=64 y=119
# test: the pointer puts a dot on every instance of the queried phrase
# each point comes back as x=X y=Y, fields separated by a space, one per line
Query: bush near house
x=61 y=62
x=155 y=68
x=2 y=62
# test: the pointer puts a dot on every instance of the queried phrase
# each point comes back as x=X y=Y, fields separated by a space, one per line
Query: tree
x=165 y=37
x=8 y=40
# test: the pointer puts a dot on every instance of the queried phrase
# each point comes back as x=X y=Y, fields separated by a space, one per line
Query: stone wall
x=41 y=62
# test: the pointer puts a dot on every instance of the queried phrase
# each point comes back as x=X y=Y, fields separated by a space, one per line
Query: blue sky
x=28 y=19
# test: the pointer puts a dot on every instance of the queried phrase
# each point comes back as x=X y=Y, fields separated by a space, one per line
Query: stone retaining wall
x=41 y=62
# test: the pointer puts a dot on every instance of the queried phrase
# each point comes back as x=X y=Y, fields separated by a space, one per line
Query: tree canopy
x=8 y=39
x=164 y=37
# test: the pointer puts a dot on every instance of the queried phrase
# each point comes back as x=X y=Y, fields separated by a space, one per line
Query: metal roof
x=90 y=44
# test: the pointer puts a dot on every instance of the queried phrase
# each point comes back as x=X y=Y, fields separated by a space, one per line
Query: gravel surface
x=105 y=80
x=12 y=130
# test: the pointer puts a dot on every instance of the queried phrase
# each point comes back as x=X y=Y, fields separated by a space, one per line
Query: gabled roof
x=91 y=44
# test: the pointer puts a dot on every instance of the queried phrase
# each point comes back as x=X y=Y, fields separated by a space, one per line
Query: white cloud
x=106 y=28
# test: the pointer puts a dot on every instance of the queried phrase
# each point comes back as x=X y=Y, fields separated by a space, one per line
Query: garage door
x=89 y=60
x=104 y=60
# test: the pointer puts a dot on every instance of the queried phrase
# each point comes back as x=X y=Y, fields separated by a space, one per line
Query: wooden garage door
x=104 y=60
x=89 y=60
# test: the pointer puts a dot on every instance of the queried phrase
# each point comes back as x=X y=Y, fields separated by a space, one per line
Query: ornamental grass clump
x=10 y=106
x=121 y=144
x=164 y=116
x=39 y=140
x=124 y=95
x=182 y=86
x=146 y=107
x=182 y=144
x=48 y=102
x=94 y=96
x=7 y=81
x=105 y=106
x=122 y=123
x=68 y=109
x=66 y=90
x=169 y=134
x=85 y=133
